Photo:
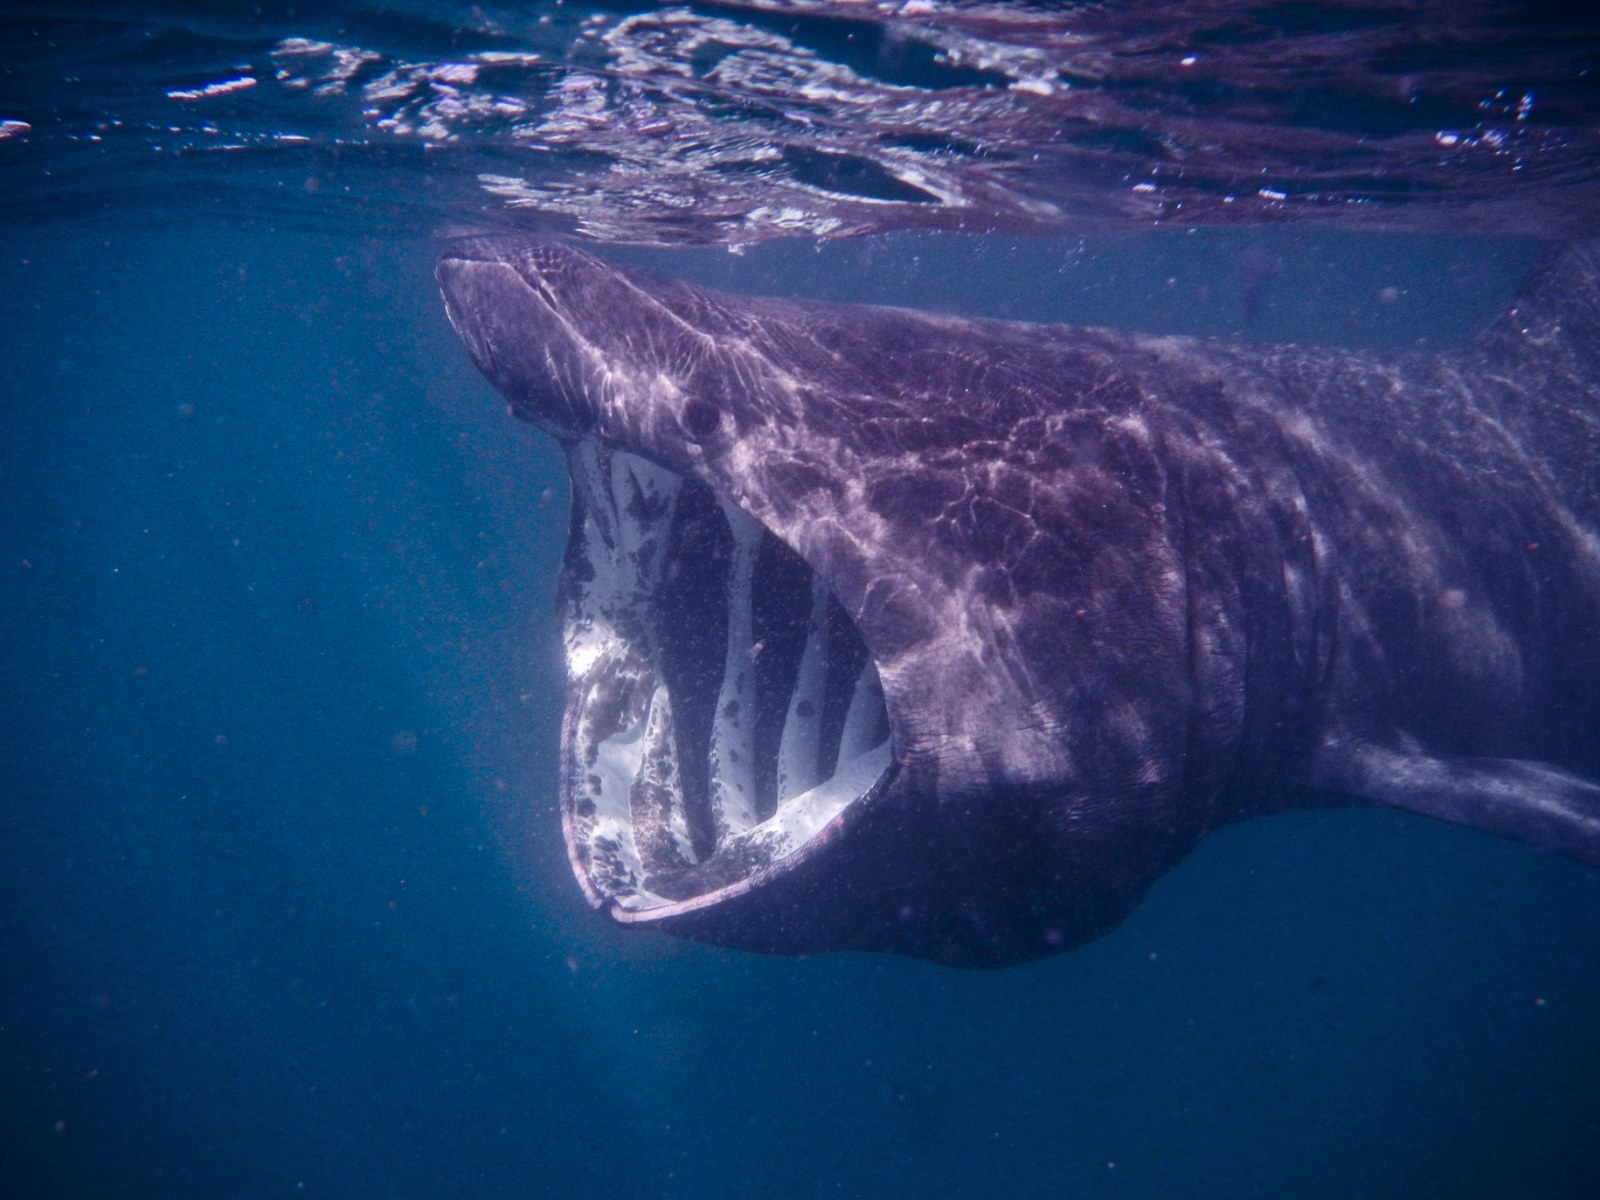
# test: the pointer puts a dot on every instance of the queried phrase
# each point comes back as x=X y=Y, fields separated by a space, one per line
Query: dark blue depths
x=285 y=910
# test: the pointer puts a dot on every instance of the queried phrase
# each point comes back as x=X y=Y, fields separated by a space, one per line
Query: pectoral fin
x=1532 y=802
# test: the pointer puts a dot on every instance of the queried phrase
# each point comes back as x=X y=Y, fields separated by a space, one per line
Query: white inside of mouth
x=663 y=808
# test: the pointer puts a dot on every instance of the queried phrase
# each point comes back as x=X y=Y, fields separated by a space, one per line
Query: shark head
x=816 y=673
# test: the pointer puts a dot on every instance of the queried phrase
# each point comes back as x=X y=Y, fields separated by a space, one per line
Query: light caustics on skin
x=1118 y=590
x=725 y=709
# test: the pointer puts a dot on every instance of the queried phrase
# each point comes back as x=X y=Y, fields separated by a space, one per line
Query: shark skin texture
x=903 y=632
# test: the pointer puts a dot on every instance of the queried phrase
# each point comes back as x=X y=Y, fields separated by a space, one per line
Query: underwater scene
x=517 y=686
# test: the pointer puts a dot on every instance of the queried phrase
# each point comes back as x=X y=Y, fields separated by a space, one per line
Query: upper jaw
x=724 y=721
x=498 y=299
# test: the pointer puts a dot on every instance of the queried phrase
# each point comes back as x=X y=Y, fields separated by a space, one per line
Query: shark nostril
x=700 y=420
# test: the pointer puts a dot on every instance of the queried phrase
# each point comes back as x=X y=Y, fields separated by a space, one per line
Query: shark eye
x=700 y=420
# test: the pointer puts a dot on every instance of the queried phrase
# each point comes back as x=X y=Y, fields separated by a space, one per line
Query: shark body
x=895 y=631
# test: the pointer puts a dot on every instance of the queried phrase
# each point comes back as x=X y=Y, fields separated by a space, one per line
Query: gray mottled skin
x=1120 y=589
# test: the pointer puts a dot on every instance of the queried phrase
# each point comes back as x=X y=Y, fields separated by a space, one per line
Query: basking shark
x=887 y=630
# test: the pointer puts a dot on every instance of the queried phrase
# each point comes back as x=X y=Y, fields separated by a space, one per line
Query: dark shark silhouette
x=896 y=631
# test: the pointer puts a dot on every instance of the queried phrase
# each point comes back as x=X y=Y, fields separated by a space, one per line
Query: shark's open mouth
x=723 y=712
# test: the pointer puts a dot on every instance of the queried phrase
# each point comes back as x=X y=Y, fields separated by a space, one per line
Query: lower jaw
x=723 y=714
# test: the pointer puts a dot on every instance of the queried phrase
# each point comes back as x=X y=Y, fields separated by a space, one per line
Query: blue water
x=285 y=909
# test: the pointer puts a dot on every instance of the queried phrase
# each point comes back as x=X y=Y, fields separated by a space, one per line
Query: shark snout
x=514 y=337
